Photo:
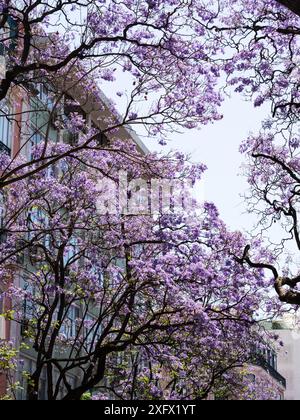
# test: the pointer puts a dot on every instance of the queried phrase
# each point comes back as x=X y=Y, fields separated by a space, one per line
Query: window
x=4 y=38
x=70 y=252
x=2 y=319
x=28 y=366
x=37 y=222
x=43 y=92
x=69 y=327
x=92 y=330
x=98 y=274
x=5 y=128
x=29 y=307
x=8 y=36
x=36 y=138
x=273 y=360
x=44 y=95
x=37 y=225
x=2 y=211
x=3 y=232
x=101 y=138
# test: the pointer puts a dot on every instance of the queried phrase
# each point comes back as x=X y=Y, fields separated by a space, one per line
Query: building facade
x=288 y=331
x=26 y=119
x=10 y=140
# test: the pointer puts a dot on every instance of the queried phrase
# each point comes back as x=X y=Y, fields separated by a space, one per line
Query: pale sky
x=217 y=145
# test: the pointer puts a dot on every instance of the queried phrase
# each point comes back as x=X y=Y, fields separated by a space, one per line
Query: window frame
x=6 y=125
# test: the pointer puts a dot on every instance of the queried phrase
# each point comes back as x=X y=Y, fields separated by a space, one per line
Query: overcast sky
x=217 y=145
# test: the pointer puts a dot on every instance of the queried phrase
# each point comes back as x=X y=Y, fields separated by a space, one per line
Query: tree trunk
x=33 y=391
x=293 y=5
x=33 y=385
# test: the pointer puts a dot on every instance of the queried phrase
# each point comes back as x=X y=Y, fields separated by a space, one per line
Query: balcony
x=263 y=363
x=4 y=149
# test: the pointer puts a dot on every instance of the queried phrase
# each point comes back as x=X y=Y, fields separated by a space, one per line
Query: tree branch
x=293 y=5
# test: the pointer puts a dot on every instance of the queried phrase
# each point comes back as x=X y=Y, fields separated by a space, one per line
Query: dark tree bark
x=293 y=5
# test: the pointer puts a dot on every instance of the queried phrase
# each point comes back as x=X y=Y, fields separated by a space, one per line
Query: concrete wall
x=289 y=362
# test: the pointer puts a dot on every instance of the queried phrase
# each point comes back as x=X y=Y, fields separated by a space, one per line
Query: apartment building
x=288 y=331
x=27 y=117
x=10 y=138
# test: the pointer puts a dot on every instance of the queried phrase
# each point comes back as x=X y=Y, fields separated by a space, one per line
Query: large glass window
x=69 y=327
x=45 y=95
x=5 y=127
x=36 y=222
x=2 y=211
x=2 y=220
x=29 y=309
x=8 y=36
x=92 y=330
x=5 y=36
x=36 y=138
x=70 y=253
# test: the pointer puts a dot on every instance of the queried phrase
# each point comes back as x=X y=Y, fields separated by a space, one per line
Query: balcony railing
x=4 y=149
x=262 y=362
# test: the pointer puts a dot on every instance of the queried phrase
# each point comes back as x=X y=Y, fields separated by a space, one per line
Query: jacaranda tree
x=165 y=287
x=139 y=283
